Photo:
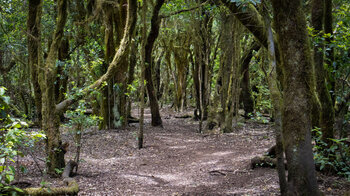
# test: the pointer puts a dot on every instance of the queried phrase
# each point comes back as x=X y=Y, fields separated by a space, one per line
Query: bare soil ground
x=177 y=160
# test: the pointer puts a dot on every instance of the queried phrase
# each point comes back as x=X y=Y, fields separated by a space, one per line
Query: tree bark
x=50 y=118
x=34 y=39
x=290 y=25
x=328 y=29
x=327 y=110
x=277 y=103
x=152 y=36
x=142 y=74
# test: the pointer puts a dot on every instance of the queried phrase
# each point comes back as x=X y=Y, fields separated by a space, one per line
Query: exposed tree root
x=263 y=161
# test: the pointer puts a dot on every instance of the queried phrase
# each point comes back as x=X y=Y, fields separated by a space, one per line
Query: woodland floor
x=176 y=160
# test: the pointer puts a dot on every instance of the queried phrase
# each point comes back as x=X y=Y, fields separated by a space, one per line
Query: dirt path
x=177 y=160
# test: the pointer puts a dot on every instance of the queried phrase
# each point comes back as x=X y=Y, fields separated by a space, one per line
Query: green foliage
x=259 y=117
x=78 y=121
x=339 y=70
x=13 y=135
x=335 y=157
x=260 y=89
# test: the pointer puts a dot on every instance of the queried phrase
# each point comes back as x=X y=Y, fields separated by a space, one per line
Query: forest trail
x=176 y=160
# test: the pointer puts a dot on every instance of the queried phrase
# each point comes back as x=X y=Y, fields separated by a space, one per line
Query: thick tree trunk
x=34 y=39
x=327 y=110
x=290 y=24
x=152 y=36
x=50 y=118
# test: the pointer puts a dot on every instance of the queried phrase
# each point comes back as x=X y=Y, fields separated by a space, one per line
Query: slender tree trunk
x=143 y=53
x=133 y=61
x=152 y=36
x=277 y=103
x=34 y=39
x=290 y=25
x=327 y=110
x=328 y=29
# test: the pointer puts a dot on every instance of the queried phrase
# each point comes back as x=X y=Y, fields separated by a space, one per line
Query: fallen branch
x=184 y=116
x=71 y=188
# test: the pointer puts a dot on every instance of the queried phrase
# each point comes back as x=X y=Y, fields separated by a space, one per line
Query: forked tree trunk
x=290 y=25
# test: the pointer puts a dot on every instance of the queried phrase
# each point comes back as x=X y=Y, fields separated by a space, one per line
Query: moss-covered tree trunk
x=113 y=103
x=204 y=33
x=328 y=29
x=290 y=25
x=226 y=71
x=34 y=40
x=108 y=101
x=61 y=83
x=50 y=119
x=327 y=110
x=132 y=62
x=277 y=103
x=152 y=36
x=247 y=97
x=181 y=61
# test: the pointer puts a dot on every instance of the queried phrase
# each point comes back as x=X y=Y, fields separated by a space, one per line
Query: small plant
x=78 y=123
x=332 y=158
x=259 y=117
x=13 y=135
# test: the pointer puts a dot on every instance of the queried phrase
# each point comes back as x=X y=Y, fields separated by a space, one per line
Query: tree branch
x=115 y=64
x=181 y=11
